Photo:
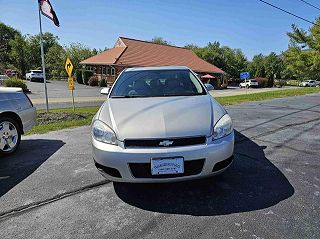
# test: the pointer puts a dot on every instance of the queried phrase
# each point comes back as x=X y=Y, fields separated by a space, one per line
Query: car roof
x=154 y=68
x=10 y=89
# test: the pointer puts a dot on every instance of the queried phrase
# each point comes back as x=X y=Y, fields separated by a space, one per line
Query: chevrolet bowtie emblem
x=165 y=143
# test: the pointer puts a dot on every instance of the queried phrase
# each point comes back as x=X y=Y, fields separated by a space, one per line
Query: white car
x=17 y=116
x=249 y=84
x=4 y=77
x=35 y=75
x=310 y=83
x=160 y=124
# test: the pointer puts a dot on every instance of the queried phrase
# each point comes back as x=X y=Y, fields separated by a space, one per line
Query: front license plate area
x=167 y=166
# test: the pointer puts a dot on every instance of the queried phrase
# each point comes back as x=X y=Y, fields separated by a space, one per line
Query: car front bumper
x=118 y=161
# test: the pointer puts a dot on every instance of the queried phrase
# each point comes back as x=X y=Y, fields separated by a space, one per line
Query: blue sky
x=246 y=24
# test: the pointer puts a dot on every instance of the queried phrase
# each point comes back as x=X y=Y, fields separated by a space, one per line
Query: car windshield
x=36 y=71
x=157 y=83
x=253 y=81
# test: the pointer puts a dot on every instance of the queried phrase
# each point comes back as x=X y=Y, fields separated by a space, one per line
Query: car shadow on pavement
x=251 y=183
x=31 y=154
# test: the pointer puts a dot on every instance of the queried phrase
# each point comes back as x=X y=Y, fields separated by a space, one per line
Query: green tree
x=257 y=67
x=19 y=54
x=78 y=52
x=7 y=34
x=302 y=59
x=235 y=61
x=160 y=40
x=232 y=61
x=33 y=45
x=300 y=64
x=55 y=60
x=273 y=66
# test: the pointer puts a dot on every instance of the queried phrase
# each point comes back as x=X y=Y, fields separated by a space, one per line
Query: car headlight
x=223 y=127
x=103 y=133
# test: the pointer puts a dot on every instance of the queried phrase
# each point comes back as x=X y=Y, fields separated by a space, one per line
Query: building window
x=113 y=71
x=108 y=71
x=103 y=70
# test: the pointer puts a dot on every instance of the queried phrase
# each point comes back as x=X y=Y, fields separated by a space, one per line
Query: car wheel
x=10 y=136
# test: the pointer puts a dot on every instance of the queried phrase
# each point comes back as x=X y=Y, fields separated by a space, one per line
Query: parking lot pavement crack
x=18 y=210
x=282 y=145
x=284 y=127
x=280 y=117
x=277 y=130
x=288 y=108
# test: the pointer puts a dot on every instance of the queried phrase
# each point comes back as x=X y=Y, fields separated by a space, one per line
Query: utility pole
x=43 y=63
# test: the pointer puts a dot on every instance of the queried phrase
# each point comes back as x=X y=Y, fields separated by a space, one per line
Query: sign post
x=69 y=68
x=245 y=76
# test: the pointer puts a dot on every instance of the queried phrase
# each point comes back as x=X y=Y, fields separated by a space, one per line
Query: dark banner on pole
x=47 y=10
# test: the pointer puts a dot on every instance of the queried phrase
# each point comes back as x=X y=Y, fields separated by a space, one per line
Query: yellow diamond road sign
x=69 y=67
x=70 y=83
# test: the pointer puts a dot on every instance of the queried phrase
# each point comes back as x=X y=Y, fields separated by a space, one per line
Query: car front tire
x=10 y=136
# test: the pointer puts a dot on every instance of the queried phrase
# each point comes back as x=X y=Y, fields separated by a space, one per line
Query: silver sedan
x=160 y=124
x=17 y=115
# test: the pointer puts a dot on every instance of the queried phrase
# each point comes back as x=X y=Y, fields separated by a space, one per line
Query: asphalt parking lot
x=50 y=188
x=60 y=97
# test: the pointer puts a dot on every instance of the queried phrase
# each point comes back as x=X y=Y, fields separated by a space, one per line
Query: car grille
x=143 y=170
x=167 y=142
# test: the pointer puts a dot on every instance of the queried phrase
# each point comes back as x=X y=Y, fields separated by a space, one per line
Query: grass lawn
x=58 y=119
x=65 y=118
x=237 y=99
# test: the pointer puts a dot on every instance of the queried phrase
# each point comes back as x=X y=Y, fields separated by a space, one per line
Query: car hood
x=161 y=117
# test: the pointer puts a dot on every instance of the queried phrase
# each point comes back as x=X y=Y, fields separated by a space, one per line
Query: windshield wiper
x=192 y=94
x=126 y=96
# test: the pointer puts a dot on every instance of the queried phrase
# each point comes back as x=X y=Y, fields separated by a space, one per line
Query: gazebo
x=208 y=77
x=213 y=80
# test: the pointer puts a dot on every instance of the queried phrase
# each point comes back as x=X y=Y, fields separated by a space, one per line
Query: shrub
x=293 y=82
x=263 y=82
x=103 y=83
x=78 y=75
x=16 y=83
x=270 y=82
x=279 y=83
x=86 y=76
x=54 y=75
x=93 y=81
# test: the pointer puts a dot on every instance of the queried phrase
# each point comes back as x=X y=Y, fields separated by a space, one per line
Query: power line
x=310 y=4
x=290 y=13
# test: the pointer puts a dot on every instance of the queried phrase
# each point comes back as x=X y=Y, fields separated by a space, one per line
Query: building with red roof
x=137 y=53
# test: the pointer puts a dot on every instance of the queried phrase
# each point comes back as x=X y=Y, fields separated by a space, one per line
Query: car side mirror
x=105 y=91
x=209 y=87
